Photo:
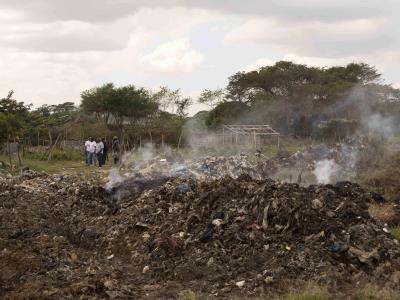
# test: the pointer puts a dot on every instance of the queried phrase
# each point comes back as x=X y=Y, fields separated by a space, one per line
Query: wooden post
x=255 y=139
x=18 y=141
x=278 y=142
x=52 y=147
x=9 y=151
x=223 y=135
x=66 y=135
x=180 y=139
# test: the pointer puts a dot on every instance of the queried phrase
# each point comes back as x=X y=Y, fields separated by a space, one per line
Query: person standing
x=105 y=151
x=115 y=149
x=92 y=151
x=99 y=152
x=87 y=147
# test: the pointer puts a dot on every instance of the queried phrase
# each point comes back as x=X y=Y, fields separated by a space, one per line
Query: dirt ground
x=62 y=238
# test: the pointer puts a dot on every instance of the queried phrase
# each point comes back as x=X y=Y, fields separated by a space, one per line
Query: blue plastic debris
x=335 y=247
x=183 y=188
x=180 y=171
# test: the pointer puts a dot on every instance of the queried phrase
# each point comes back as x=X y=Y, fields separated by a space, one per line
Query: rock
x=364 y=256
x=217 y=222
x=268 y=279
x=210 y=262
x=316 y=204
x=265 y=218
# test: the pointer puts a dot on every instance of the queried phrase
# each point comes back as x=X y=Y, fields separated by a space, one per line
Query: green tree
x=172 y=101
x=119 y=105
x=212 y=97
x=13 y=117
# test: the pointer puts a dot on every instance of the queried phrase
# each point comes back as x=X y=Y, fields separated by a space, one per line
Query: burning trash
x=239 y=234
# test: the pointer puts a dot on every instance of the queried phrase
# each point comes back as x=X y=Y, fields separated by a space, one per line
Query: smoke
x=325 y=170
x=130 y=164
x=324 y=163
x=379 y=124
x=114 y=178
x=147 y=153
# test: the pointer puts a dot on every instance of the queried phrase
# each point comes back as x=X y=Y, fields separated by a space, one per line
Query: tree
x=172 y=101
x=117 y=105
x=13 y=116
x=232 y=112
x=295 y=97
x=212 y=97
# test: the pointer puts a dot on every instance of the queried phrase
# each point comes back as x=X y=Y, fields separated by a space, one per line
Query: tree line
x=302 y=101
x=295 y=99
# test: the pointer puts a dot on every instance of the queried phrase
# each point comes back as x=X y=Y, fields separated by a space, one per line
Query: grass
x=382 y=212
x=374 y=292
x=396 y=233
x=316 y=292
x=189 y=296
x=311 y=293
x=58 y=167
x=383 y=177
x=56 y=155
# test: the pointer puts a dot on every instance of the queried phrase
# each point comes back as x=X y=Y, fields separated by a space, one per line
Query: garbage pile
x=298 y=167
x=64 y=238
x=208 y=167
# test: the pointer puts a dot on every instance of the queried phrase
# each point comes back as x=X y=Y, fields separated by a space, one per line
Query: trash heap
x=64 y=238
x=203 y=168
x=284 y=166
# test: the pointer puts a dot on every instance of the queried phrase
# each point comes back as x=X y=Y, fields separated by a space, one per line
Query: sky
x=52 y=50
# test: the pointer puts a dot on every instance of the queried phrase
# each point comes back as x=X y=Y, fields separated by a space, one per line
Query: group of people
x=96 y=151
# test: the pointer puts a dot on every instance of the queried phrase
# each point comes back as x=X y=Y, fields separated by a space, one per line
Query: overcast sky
x=51 y=50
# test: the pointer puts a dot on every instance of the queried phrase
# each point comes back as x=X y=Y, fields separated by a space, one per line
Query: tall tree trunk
x=50 y=138
x=9 y=151
x=18 y=153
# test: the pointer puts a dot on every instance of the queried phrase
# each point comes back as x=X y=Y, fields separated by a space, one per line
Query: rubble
x=149 y=236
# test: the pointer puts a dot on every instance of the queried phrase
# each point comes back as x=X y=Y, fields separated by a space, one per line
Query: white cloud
x=54 y=62
x=381 y=60
x=261 y=62
x=176 y=56
x=313 y=37
x=108 y=10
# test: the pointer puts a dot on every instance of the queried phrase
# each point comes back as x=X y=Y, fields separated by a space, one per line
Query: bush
x=57 y=155
x=336 y=129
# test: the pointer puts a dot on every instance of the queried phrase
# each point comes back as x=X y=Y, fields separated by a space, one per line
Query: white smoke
x=114 y=177
x=325 y=170
x=147 y=152
x=378 y=124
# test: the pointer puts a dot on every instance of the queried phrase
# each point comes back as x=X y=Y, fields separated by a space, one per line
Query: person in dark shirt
x=105 y=151
x=115 y=149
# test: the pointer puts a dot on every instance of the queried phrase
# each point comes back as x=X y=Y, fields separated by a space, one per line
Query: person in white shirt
x=92 y=152
x=99 y=152
x=87 y=147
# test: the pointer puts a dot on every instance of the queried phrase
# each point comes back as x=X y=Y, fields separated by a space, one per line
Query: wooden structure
x=235 y=134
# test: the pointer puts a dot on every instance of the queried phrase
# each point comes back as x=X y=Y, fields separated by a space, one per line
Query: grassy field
x=56 y=167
